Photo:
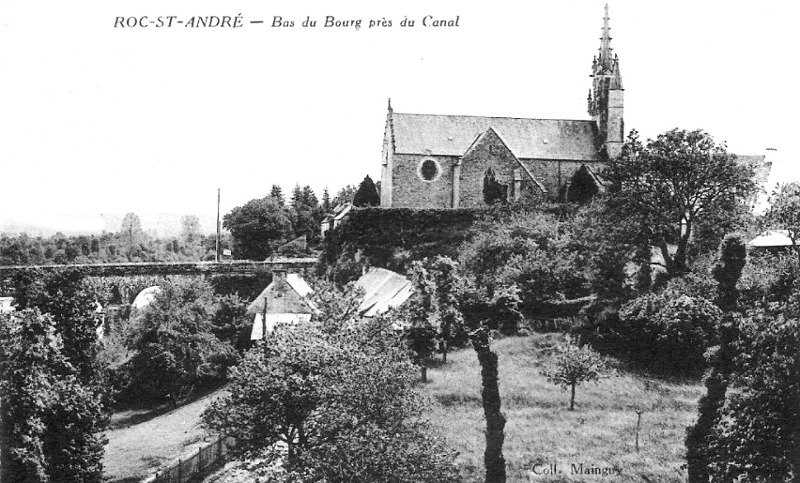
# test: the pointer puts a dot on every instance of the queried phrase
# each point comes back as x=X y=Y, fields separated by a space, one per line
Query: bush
x=667 y=331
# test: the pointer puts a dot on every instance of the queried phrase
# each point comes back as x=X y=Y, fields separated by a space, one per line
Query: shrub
x=668 y=331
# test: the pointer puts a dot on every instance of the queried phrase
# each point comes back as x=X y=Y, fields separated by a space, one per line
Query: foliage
x=732 y=259
x=230 y=322
x=784 y=211
x=337 y=305
x=675 y=184
x=174 y=345
x=668 y=331
x=534 y=253
x=575 y=365
x=727 y=271
x=306 y=213
x=276 y=193
x=344 y=195
x=50 y=422
x=342 y=403
x=257 y=228
x=392 y=238
x=758 y=435
x=367 y=194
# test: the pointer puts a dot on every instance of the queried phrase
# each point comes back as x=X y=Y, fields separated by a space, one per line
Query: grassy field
x=140 y=442
x=540 y=430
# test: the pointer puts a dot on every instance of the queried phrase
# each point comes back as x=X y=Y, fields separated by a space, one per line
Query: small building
x=772 y=240
x=286 y=303
x=384 y=290
x=336 y=218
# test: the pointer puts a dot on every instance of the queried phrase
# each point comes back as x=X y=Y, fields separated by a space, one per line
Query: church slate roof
x=448 y=135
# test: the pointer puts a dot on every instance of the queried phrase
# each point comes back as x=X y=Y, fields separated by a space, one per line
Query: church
x=444 y=161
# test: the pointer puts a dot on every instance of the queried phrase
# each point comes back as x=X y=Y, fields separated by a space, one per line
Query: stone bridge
x=237 y=267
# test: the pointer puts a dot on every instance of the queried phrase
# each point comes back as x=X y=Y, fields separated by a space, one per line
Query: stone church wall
x=409 y=190
x=490 y=152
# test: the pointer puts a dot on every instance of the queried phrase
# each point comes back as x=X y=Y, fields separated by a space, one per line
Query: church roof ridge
x=492 y=117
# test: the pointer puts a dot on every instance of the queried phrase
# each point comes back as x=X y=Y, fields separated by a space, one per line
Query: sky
x=102 y=120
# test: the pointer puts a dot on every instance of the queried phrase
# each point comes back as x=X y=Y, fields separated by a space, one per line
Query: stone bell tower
x=606 y=95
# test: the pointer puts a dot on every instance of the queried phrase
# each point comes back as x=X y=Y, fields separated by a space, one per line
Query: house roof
x=772 y=238
x=383 y=289
x=294 y=281
x=448 y=135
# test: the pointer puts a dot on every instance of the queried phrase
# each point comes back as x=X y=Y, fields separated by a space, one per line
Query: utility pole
x=217 y=251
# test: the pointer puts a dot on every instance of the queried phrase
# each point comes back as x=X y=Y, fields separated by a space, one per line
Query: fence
x=184 y=470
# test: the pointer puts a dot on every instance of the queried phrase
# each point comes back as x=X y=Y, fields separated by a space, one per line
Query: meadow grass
x=541 y=430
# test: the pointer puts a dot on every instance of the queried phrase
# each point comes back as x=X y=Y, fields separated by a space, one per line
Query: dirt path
x=135 y=451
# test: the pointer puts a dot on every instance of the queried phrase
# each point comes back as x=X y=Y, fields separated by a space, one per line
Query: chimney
x=279 y=276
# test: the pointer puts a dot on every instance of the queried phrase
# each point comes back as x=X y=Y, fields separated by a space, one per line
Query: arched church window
x=429 y=170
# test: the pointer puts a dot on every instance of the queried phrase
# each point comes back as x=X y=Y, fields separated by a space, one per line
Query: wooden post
x=638 y=422
x=199 y=459
x=180 y=471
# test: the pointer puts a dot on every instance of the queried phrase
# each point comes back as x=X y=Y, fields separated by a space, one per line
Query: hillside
x=539 y=428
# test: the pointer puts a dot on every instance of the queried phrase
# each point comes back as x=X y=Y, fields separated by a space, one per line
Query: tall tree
x=727 y=271
x=675 y=184
x=326 y=201
x=50 y=423
x=367 y=194
x=190 y=230
x=297 y=196
x=257 y=227
x=276 y=193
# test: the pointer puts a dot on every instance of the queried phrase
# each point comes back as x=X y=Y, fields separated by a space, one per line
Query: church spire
x=606 y=98
x=605 y=43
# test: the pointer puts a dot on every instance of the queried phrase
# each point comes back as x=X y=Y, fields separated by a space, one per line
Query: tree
x=257 y=227
x=493 y=458
x=784 y=212
x=175 y=349
x=190 y=230
x=727 y=271
x=674 y=185
x=131 y=232
x=574 y=366
x=50 y=423
x=276 y=193
x=367 y=194
x=757 y=436
x=326 y=201
x=345 y=195
x=343 y=403
x=420 y=312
